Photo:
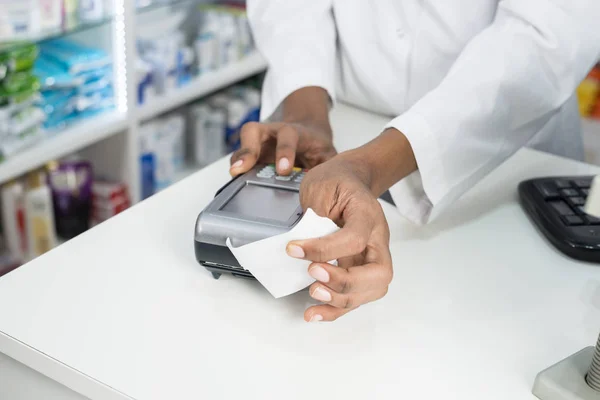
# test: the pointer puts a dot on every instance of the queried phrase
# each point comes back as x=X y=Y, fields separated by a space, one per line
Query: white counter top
x=479 y=305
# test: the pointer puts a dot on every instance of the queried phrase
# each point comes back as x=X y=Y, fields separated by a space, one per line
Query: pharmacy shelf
x=204 y=85
x=73 y=27
x=62 y=143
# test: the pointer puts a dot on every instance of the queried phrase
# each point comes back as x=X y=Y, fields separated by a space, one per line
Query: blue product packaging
x=148 y=164
x=58 y=102
x=103 y=85
x=184 y=66
x=52 y=75
x=58 y=121
x=96 y=74
x=74 y=57
x=97 y=108
x=237 y=113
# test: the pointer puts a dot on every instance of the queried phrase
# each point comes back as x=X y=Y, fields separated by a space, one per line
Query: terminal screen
x=263 y=202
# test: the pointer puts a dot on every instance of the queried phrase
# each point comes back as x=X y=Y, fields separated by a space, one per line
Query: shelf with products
x=111 y=139
x=188 y=52
x=56 y=97
x=30 y=21
x=63 y=142
x=204 y=85
x=180 y=143
x=54 y=203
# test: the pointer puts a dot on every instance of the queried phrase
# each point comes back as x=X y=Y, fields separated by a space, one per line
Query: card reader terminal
x=251 y=207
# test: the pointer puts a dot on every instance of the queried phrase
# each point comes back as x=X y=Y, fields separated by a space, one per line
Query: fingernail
x=237 y=164
x=316 y=318
x=319 y=273
x=321 y=295
x=295 y=251
x=284 y=164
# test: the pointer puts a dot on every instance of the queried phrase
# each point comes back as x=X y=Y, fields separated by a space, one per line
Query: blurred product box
x=77 y=82
x=162 y=152
x=61 y=200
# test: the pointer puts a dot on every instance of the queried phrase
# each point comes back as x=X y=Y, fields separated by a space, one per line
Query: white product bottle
x=252 y=97
x=209 y=139
x=245 y=34
x=13 y=219
x=175 y=126
x=165 y=169
x=237 y=111
x=39 y=214
x=215 y=140
x=230 y=49
x=200 y=117
x=207 y=44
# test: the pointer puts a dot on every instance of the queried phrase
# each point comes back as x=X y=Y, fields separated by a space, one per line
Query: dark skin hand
x=303 y=138
x=342 y=187
x=345 y=189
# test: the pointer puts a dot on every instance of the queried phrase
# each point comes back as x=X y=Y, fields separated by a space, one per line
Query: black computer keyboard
x=556 y=207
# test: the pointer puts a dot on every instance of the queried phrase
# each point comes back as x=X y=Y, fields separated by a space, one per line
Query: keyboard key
x=548 y=190
x=562 y=184
x=569 y=192
x=573 y=220
x=562 y=208
x=585 y=191
x=577 y=201
x=582 y=183
x=284 y=178
x=581 y=210
x=592 y=220
x=265 y=173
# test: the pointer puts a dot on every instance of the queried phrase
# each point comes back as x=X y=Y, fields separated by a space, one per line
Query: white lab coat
x=468 y=82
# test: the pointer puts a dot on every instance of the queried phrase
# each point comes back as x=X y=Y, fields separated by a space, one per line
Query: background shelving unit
x=96 y=137
x=111 y=141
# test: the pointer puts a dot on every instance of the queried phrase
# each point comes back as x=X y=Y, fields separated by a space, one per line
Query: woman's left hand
x=337 y=189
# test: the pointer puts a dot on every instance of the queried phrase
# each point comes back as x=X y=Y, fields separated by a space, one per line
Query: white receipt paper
x=267 y=260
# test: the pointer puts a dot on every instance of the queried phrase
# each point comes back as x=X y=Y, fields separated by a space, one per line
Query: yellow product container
x=587 y=95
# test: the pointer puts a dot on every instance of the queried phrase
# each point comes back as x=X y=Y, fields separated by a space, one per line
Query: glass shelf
x=70 y=28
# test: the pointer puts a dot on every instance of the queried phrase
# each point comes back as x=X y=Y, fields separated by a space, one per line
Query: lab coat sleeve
x=297 y=38
x=505 y=86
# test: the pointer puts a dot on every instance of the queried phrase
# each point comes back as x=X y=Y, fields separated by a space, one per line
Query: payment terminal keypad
x=556 y=207
x=269 y=173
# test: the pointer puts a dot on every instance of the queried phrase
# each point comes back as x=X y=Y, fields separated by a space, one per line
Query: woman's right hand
x=286 y=144
x=303 y=138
